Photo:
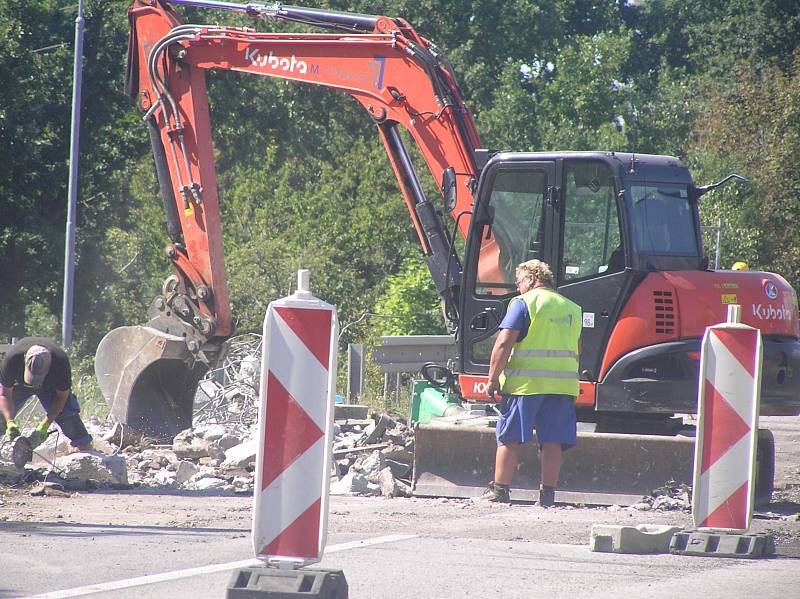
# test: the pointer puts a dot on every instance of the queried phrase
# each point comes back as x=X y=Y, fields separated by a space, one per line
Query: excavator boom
x=400 y=79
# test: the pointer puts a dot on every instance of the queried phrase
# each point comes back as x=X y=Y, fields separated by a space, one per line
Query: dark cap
x=37 y=365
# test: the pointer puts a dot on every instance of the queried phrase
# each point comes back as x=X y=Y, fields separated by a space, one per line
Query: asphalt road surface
x=144 y=544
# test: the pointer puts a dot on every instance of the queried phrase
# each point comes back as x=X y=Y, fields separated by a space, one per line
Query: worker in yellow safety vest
x=533 y=375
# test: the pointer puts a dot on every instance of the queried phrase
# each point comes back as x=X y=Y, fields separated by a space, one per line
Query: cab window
x=516 y=232
x=592 y=240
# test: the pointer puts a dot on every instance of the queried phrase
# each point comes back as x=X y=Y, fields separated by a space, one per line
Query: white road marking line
x=189 y=572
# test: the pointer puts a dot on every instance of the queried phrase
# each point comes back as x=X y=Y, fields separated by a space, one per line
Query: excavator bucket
x=454 y=457
x=149 y=379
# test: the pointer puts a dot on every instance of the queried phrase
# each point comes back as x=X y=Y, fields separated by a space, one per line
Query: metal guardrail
x=409 y=353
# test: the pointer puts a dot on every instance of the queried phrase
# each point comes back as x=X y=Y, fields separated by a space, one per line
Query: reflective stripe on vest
x=553 y=374
x=546 y=360
x=546 y=353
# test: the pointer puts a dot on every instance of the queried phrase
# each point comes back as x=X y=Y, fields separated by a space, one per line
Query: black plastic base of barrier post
x=271 y=583
x=722 y=544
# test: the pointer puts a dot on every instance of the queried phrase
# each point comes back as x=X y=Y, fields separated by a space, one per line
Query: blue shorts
x=551 y=415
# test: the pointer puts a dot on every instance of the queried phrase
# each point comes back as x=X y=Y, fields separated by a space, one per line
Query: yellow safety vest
x=546 y=360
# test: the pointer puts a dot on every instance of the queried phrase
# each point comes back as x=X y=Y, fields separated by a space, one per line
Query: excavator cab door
x=564 y=211
x=592 y=252
x=512 y=222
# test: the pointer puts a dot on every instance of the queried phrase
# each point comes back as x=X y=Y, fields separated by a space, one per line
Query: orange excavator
x=620 y=230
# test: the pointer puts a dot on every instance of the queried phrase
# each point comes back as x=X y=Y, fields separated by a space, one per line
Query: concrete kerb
x=644 y=538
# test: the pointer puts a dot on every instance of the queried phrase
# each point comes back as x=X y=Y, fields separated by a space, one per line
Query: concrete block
x=644 y=538
x=350 y=412
x=261 y=582
x=722 y=544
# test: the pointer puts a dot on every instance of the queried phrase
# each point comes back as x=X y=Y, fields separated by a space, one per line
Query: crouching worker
x=37 y=366
x=533 y=372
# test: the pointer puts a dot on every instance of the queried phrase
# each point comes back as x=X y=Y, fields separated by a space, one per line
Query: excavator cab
x=600 y=220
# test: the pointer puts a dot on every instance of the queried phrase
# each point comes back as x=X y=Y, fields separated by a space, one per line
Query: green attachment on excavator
x=429 y=401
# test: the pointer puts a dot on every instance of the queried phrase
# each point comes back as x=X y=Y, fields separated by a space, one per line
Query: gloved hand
x=38 y=436
x=12 y=430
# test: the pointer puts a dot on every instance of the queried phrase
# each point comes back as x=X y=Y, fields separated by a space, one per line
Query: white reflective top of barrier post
x=734 y=314
x=303 y=286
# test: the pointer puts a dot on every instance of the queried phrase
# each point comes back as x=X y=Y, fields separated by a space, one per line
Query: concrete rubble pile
x=372 y=455
x=670 y=497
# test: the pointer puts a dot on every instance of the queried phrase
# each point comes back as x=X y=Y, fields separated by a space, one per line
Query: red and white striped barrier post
x=727 y=429
x=298 y=377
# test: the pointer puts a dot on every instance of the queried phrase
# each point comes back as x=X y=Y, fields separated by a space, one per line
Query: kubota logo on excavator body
x=289 y=64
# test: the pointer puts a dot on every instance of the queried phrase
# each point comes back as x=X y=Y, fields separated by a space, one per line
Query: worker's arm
x=501 y=352
x=56 y=407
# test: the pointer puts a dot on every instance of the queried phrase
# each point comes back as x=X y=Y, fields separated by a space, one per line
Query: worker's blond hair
x=538 y=270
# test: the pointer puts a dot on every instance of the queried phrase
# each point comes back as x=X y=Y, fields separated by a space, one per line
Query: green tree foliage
x=36 y=61
x=344 y=220
x=34 y=136
x=409 y=304
x=755 y=129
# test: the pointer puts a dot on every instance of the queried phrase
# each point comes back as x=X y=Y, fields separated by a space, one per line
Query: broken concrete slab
x=209 y=483
x=164 y=478
x=399 y=469
x=371 y=465
x=387 y=483
x=644 y=538
x=49 y=488
x=227 y=441
x=211 y=432
x=354 y=483
x=8 y=470
x=375 y=431
x=241 y=455
x=104 y=469
x=188 y=445
x=162 y=456
x=185 y=471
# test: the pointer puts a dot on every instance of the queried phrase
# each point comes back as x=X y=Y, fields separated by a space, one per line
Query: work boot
x=547 y=497
x=497 y=493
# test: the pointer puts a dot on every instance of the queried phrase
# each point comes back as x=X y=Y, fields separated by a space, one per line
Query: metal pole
x=396 y=399
x=719 y=240
x=74 y=145
x=355 y=371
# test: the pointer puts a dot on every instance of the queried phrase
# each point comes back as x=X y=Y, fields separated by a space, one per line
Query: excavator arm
x=395 y=74
x=401 y=80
